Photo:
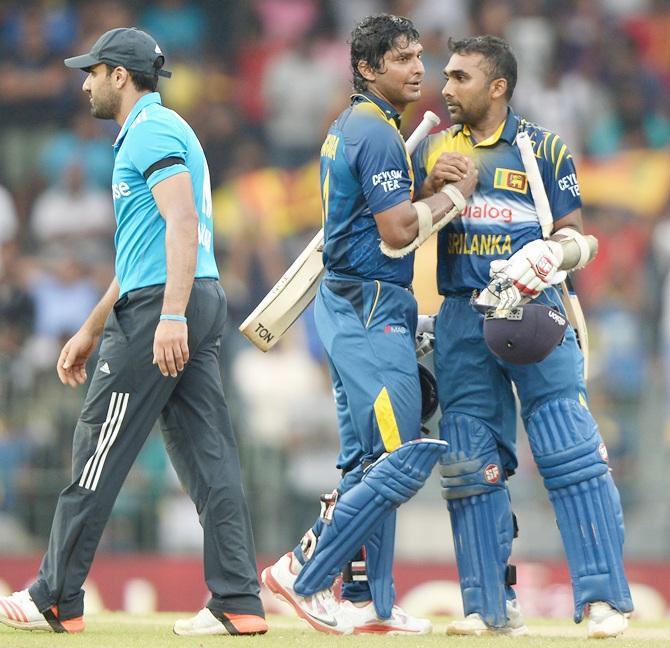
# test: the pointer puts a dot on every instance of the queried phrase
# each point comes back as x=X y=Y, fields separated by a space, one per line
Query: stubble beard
x=106 y=107
x=471 y=116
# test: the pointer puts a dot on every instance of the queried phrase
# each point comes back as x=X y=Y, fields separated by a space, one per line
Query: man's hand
x=450 y=167
x=171 y=347
x=71 y=365
x=525 y=274
x=468 y=183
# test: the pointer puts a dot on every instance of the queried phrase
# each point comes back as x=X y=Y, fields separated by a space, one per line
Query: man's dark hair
x=498 y=53
x=373 y=37
x=140 y=80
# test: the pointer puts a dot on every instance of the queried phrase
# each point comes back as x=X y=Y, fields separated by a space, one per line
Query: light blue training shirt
x=155 y=143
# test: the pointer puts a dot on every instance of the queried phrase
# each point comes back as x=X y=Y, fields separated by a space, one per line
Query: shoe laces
x=398 y=614
x=326 y=598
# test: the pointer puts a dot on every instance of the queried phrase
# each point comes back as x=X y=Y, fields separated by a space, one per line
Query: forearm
x=577 y=249
x=411 y=219
x=96 y=320
x=181 y=251
x=424 y=191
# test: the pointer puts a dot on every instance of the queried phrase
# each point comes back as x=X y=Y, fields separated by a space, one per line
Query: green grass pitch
x=118 y=630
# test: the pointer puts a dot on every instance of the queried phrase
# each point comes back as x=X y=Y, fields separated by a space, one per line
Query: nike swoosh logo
x=329 y=622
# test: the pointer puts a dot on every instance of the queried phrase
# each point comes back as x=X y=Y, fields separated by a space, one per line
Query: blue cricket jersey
x=365 y=170
x=500 y=215
x=155 y=143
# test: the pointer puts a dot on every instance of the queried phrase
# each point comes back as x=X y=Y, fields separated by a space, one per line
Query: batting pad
x=379 y=563
x=482 y=524
x=572 y=459
x=360 y=511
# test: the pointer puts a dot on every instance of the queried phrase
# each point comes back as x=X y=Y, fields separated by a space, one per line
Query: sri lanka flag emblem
x=510 y=180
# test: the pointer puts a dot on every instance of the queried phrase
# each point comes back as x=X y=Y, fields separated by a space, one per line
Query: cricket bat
x=573 y=308
x=297 y=287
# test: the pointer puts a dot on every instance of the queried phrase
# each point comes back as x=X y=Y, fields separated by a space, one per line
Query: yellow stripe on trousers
x=388 y=428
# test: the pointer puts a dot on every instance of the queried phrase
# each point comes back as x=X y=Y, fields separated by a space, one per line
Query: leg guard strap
x=359 y=512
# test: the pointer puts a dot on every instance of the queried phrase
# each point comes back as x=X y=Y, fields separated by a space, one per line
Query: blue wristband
x=174 y=318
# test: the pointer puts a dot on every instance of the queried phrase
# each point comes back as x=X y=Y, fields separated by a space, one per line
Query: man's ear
x=366 y=71
x=498 y=88
x=120 y=77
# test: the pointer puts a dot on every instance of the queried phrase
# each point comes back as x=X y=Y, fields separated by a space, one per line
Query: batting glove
x=526 y=273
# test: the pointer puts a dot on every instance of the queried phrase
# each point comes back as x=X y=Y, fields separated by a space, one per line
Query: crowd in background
x=259 y=81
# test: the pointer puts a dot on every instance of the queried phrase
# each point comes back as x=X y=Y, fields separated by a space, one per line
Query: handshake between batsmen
x=535 y=267
x=458 y=178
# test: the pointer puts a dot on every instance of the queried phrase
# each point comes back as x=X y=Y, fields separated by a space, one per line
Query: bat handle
x=429 y=121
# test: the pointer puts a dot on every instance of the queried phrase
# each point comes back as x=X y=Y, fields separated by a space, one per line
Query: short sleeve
x=157 y=149
x=559 y=176
x=381 y=162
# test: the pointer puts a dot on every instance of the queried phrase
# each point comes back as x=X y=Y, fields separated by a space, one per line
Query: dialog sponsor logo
x=488 y=212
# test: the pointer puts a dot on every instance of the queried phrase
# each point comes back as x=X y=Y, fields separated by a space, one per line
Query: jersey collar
x=142 y=103
x=506 y=131
x=389 y=111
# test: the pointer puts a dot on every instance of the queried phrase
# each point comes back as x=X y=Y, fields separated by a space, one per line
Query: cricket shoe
x=605 y=621
x=474 y=625
x=227 y=623
x=20 y=612
x=320 y=610
x=365 y=621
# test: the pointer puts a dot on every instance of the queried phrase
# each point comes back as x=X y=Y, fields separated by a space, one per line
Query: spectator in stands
x=83 y=142
x=178 y=25
x=77 y=218
x=64 y=294
x=297 y=113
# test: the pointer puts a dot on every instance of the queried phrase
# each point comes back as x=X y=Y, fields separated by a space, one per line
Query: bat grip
x=429 y=121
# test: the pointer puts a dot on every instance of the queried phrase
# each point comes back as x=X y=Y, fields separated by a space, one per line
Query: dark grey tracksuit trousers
x=126 y=396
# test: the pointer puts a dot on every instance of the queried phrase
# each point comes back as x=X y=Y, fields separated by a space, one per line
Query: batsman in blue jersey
x=366 y=317
x=496 y=248
x=161 y=322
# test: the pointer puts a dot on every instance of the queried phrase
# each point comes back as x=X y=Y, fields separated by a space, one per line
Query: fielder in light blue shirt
x=161 y=322
x=155 y=143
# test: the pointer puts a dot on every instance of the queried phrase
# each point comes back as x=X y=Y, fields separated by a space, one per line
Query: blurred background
x=260 y=81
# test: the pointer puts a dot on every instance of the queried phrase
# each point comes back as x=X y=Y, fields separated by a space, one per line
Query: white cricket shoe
x=474 y=625
x=320 y=610
x=19 y=611
x=605 y=621
x=206 y=623
x=365 y=621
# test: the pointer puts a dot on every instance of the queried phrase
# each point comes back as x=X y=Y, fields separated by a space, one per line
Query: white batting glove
x=526 y=273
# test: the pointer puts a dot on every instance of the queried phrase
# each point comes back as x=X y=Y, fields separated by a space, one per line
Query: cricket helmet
x=524 y=334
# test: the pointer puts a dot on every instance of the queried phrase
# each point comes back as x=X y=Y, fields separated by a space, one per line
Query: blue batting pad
x=474 y=485
x=387 y=484
x=379 y=562
x=572 y=459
